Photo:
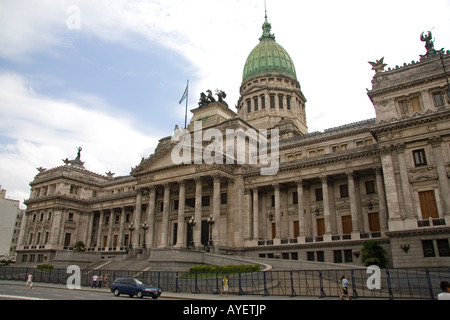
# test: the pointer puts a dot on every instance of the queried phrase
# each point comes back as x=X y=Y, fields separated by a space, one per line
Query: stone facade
x=385 y=179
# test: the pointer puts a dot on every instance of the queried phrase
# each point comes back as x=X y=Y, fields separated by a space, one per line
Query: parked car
x=134 y=287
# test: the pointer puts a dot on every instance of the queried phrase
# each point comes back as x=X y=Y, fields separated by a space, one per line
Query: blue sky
x=112 y=85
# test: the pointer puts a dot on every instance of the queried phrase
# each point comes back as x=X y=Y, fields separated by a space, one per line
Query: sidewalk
x=175 y=295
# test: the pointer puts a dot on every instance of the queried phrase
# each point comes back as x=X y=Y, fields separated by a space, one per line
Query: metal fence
x=406 y=283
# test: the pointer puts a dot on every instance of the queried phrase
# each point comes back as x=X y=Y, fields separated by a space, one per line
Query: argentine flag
x=185 y=94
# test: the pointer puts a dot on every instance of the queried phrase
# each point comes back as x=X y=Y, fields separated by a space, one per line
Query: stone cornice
x=321 y=160
x=351 y=129
x=411 y=120
x=418 y=232
x=316 y=245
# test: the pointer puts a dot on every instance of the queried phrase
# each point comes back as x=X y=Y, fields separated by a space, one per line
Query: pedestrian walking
x=105 y=280
x=94 y=281
x=29 y=281
x=224 y=286
x=100 y=280
x=344 y=285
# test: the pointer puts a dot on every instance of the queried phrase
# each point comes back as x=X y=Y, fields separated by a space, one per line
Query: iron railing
x=404 y=283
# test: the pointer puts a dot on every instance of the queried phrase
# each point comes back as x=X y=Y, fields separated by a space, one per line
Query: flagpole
x=187 y=98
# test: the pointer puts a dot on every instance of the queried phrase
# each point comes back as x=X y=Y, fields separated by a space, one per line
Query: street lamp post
x=191 y=224
x=145 y=228
x=210 y=242
x=131 y=228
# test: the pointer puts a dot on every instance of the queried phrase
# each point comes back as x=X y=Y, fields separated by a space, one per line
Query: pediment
x=422 y=176
x=159 y=160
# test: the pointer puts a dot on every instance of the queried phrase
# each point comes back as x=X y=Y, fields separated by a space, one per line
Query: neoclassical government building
x=384 y=179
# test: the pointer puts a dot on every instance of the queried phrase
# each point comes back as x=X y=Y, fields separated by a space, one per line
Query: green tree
x=373 y=254
x=79 y=247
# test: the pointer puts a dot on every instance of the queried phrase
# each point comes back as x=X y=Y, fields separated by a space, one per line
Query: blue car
x=134 y=287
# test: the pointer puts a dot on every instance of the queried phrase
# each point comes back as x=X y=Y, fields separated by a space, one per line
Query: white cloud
x=41 y=131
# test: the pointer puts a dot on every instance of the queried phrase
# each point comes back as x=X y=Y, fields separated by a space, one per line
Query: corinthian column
x=137 y=217
x=216 y=211
x=301 y=211
x=181 y=207
x=166 y=213
x=198 y=213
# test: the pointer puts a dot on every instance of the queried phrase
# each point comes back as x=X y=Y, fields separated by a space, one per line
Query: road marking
x=6 y=296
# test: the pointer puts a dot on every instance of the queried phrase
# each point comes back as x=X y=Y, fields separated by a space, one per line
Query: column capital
x=276 y=186
x=299 y=182
x=198 y=180
x=216 y=177
x=378 y=170
x=400 y=148
x=324 y=178
x=386 y=150
x=435 y=141
x=350 y=174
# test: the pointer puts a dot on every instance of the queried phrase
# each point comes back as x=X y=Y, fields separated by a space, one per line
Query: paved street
x=49 y=291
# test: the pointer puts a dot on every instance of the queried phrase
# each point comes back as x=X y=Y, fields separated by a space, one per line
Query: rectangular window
x=223 y=198
x=272 y=101
x=419 y=158
x=438 y=101
x=280 y=102
x=403 y=107
x=205 y=201
x=288 y=102
x=320 y=256
x=249 y=106
x=319 y=195
x=443 y=247
x=415 y=104
x=346 y=224
x=370 y=186
x=428 y=248
x=343 y=190
x=263 y=102
x=255 y=102
x=348 y=256
x=295 y=197
x=337 y=254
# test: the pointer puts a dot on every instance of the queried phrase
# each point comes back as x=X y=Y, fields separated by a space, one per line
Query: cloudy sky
x=108 y=75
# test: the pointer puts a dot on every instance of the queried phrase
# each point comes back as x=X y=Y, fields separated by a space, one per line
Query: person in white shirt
x=29 y=281
x=445 y=294
x=94 y=281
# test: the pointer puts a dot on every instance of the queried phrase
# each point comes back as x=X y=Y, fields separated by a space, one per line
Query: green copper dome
x=268 y=57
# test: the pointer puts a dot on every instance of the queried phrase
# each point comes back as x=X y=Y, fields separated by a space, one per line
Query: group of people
x=97 y=280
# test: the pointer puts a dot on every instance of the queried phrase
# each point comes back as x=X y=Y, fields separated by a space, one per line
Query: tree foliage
x=373 y=254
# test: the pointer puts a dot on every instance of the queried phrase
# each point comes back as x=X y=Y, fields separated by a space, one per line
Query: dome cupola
x=268 y=57
x=270 y=92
